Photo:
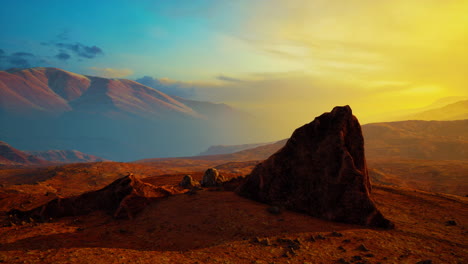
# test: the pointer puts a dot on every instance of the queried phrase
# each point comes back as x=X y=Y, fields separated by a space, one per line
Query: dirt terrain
x=220 y=227
x=216 y=226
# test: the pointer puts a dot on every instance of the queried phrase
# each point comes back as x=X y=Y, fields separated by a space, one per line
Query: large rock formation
x=123 y=198
x=320 y=171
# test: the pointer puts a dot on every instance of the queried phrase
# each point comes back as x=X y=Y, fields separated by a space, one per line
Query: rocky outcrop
x=212 y=178
x=123 y=198
x=189 y=183
x=320 y=171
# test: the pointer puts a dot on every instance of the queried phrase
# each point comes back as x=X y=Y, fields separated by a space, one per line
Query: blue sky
x=180 y=40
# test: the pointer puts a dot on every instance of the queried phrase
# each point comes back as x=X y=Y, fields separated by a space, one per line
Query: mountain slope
x=12 y=156
x=117 y=119
x=439 y=140
x=453 y=111
x=227 y=149
x=65 y=156
x=56 y=91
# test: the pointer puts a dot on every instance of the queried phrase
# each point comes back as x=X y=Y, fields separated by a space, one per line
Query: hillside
x=454 y=111
x=415 y=139
x=227 y=149
x=433 y=140
x=12 y=156
x=117 y=119
x=65 y=156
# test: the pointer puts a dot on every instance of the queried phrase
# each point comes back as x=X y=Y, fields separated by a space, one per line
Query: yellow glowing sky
x=377 y=56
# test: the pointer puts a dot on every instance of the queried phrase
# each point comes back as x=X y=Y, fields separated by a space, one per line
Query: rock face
x=212 y=178
x=188 y=182
x=320 y=171
x=123 y=198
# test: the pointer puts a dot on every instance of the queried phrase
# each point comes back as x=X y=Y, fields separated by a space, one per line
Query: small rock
x=369 y=255
x=212 y=178
x=292 y=244
x=274 y=210
x=451 y=223
x=342 y=261
x=336 y=234
x=79 y=229
x=319 y=236
x=427 y=261
x=355 y=258
x=123 y=231
x=266 y=242
x=312 y=239
x=289 y=253
x=193 y=191
x=341 y=248
x=188 y=182
x=362 y=248
x=347 y=241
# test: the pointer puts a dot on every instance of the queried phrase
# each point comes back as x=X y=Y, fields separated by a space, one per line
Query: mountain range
x=12 y=156
x=118 y=119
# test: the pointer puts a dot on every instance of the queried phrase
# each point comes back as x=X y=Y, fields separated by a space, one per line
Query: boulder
x=321 y=171
x=188 y=182
x=212 y=178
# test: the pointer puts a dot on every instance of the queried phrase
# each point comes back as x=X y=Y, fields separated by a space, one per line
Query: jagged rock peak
x=320 y=171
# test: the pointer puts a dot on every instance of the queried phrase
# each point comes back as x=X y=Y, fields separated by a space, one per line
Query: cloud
x=63 y=56
x=17 y=60
x=22 y=54
x=64 y=35
x=81 y=50
x=227 y=78
x=170 y=87
x=110 y=72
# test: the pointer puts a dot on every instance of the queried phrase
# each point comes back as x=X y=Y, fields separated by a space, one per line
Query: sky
x=283 y=60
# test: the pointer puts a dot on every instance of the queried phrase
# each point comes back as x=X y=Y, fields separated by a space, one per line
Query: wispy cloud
x=63 y=56
x=110 y=72
x=228 y=78
x=170 y=87
x=81 y=50
x=17 y=59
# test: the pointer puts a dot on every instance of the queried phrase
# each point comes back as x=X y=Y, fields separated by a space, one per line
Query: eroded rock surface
x=188 y=182
x=320 y=171
x=212 y=178
x=123 y=198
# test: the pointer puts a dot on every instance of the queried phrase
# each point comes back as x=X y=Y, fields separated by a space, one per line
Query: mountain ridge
x=117 y=119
